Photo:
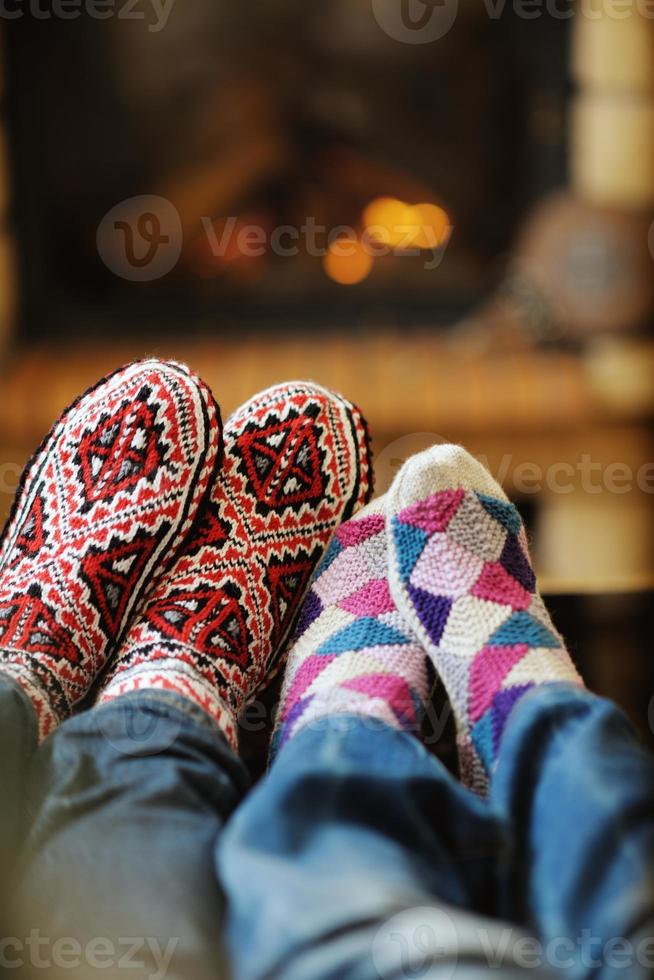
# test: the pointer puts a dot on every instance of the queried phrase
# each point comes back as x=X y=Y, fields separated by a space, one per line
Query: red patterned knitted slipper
x=296 y=464
x=103 y=505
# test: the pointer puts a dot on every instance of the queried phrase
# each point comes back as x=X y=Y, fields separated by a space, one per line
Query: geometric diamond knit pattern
x=103 y=504
x=462 y=576
x=352 y=654
x=296 y=463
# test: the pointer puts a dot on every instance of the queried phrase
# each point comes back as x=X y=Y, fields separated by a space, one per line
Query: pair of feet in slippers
x=151 y=548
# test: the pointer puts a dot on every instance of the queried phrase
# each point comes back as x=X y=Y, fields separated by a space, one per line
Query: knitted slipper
x=352 y=653
x=461 y=575
x=103 y=504
x=296 y=463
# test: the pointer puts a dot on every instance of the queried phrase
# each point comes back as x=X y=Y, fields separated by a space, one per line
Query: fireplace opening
x=280 y=136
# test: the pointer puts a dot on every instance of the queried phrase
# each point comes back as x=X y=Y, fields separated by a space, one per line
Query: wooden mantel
x=403 y=382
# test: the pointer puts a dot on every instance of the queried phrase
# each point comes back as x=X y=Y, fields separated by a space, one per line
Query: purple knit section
x=502 y=706
x=432 y=610
x=310 y=611
x=517 y=564
x=296 y=712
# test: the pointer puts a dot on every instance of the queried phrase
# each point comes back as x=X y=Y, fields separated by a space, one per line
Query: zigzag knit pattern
x=352 y=653
x=296 y=463
x=106 y=500
x=461 y=575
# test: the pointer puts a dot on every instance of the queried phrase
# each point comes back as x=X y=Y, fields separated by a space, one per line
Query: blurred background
x=442 y=209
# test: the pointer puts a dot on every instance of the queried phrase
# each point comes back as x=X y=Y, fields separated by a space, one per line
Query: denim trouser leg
x=356 y=822
x=128 y=801
x=18 y=742
x=576 y=790
x=359 y=856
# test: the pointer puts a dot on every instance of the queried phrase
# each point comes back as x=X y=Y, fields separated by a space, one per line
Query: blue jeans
x=116 y=877
x=358 y=855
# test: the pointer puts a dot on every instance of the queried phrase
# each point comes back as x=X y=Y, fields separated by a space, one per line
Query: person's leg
x=565 y=771
x=555 y=756
x=359 y=855
x=123 y=842
x=576 y=790
x=103 y=505
x=18 y=743
x=117 y=875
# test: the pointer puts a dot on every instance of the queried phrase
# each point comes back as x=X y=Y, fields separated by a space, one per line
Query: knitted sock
x=352 y=653
x=104 y=502
x=296 y=463
x=461 y=575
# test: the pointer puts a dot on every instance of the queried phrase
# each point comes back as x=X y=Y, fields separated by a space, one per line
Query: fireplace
x=255 y=127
